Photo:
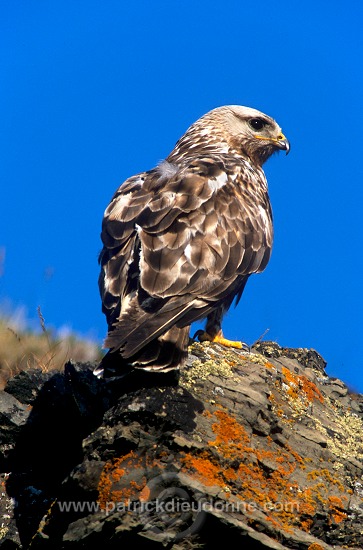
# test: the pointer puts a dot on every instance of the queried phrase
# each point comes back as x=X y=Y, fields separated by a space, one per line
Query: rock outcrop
x=262 y=448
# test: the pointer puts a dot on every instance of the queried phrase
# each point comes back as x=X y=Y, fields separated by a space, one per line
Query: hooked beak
x=281 y=142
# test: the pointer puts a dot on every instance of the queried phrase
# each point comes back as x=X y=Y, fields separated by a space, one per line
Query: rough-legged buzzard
x=181 y=240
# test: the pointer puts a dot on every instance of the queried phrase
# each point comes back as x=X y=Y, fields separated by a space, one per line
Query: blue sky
x=92 y=92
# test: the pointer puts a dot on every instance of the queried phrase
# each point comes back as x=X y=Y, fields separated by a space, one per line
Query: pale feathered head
x=234 y=129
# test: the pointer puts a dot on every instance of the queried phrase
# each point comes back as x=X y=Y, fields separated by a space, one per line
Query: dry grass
x=21 y=349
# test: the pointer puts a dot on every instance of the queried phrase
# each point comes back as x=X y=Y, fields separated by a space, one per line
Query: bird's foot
x=220 y=339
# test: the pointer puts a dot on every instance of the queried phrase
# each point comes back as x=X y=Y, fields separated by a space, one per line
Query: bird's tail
x=165 y=353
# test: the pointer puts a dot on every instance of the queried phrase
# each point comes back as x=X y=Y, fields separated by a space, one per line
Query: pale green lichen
x=344 y=433
x=214 y=360
x=340 y=427
x=203 y=370
x=347 y=443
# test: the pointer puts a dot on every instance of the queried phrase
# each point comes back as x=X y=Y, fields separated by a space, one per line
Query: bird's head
x=246 y=130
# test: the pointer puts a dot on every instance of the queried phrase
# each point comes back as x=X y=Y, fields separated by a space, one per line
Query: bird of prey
x=181 y=240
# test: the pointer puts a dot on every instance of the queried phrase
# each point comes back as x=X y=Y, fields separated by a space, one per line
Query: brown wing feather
x=175 y=247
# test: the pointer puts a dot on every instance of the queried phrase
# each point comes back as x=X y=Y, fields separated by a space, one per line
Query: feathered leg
x=213 y=331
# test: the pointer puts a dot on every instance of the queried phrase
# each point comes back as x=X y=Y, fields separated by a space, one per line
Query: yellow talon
x=220 y=339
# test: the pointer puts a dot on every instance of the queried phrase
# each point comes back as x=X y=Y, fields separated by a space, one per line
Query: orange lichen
x=255 y=471
x=251 y=481
x=228 y=433
x=111 y=478
x=207 y=472
x=296 y=456
x=327 y=476
x=336 y=509
x=306 y=525
x=263 y=476
x=315 y=546
x=276 y=406
x=299 y=384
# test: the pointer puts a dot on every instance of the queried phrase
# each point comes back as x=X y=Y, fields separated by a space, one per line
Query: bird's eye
x=256 y=123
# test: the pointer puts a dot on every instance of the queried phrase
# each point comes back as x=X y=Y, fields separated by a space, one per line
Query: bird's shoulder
x=154 y=199
x=189 y=175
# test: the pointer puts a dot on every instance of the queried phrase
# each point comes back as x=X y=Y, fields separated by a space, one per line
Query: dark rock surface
x=261 y=448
